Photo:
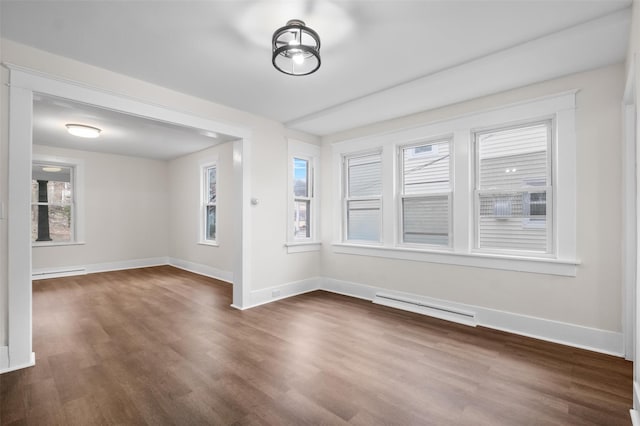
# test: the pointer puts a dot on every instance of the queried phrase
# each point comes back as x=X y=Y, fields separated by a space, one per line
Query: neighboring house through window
x=513 y=188
x=363 y=197
x=425 y=193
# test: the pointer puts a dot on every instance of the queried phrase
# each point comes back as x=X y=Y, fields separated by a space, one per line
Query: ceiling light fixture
x=51 y=169
x=296 y=49
x=83 y=131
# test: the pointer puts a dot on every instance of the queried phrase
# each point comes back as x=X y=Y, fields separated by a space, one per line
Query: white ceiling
x=121 y=133
x=380 y=58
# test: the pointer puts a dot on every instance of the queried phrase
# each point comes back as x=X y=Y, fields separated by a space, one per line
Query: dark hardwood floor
x=162 y=346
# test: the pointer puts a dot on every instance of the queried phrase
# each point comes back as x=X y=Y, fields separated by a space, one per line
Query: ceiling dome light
x=83 y=131
x=296 y=49
x=51 y=169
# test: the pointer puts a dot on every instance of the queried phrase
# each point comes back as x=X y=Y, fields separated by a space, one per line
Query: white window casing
x=303 y=204
x=75 y=199
x=209 y=179
x=550 y=188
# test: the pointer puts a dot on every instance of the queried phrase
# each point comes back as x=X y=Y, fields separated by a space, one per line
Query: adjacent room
x=319 y=212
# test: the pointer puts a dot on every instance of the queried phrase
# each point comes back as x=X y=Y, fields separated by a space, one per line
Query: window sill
x=302 y=246
x=57 y=244
x=563 y=267
x=209 y=243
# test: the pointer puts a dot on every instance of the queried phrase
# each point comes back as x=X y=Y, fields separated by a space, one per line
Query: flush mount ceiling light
x=51 y=169
x=83 y=131
x=296 y=49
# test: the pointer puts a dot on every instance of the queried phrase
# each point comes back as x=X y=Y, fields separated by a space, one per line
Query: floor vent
x=426 y=308
x=57 y=273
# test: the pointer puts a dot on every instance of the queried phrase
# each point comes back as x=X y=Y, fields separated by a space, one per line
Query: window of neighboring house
x=513 y=189
x=209 y=203
x=425 y=193
x=303 y=203
x=363 y=197
x=53 y=215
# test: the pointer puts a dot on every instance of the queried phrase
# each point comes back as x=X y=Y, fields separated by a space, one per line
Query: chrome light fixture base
x=296 y=49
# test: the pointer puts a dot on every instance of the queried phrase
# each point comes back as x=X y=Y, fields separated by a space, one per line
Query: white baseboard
x=271 y=294
x=593 y=339
x=197 y=268
x=635 y=417
x=126 y=264
x=7 y=369
x=68 y=271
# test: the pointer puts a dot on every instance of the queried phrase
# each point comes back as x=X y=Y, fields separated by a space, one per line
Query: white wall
x=271 y=265
x=593 y=297
x=125 y=201
x=184 y=209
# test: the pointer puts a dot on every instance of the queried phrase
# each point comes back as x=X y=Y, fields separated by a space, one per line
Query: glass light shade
x=296 y=49
x=83 y=131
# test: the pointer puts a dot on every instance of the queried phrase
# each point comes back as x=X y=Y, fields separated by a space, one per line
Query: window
x=425 y=195
x=494 y=189
x=303 y=193
x=302 y=220
x=52 y=203
x=209 y=203
x=513 y=188
x=363 y=197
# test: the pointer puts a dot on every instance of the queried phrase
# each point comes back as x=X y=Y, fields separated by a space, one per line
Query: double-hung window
x=425 y=193
x=302 y=197
x=494 y=189
x=303 y=193
x=513 y=191
x=209 y=203
x=363 y=197
x=53 y=214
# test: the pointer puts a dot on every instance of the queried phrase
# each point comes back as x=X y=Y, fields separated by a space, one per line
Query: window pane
x=301 y=219
x=58 y=184
x=365 y=176
x=300 y=177
x=513 y=158
x=211 y=178
x=363 y=220
x=425 y=168
x=515 y=220
x=52 y=198
x=210 y=226
x=426 y=220
x=59 y=223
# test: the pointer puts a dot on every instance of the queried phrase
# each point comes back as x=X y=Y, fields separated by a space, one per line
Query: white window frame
x=562 y=261
x=77 y=204
x=204 y=201
x=402 y=196
x=550 y=166
x=310 y=153
x=346 y=198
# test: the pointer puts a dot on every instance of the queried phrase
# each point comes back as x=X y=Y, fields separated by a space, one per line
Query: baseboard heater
x=57 y=273
x=430 y=309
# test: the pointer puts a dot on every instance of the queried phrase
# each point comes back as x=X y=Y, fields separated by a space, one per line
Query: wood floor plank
x=161 y=346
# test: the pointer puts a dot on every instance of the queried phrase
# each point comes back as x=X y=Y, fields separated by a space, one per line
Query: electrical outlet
x=275 y=293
